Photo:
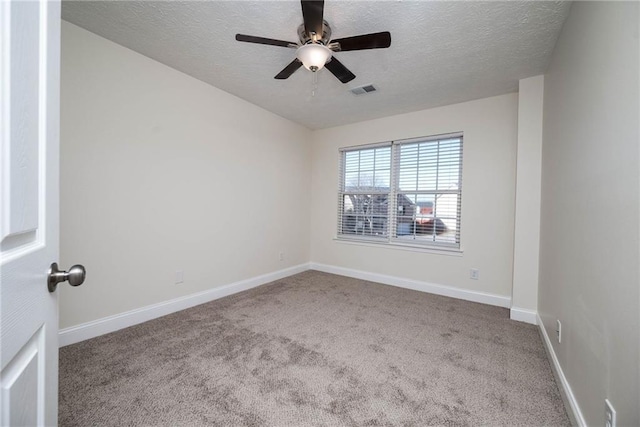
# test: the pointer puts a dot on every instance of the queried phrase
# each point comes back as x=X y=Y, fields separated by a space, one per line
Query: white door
x=29 y=146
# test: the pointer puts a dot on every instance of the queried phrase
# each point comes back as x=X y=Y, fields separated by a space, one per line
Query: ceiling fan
x=316 y=48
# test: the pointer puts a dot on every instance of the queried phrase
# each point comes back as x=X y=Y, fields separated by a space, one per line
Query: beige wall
x=161 y=172
x=488 y=196
x=527 y=215
x=589 y=248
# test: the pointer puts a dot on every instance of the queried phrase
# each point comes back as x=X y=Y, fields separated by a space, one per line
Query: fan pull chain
x=315 y=84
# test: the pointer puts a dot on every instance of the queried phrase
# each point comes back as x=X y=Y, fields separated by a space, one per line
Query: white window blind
x=402 y=192
x=364 y=193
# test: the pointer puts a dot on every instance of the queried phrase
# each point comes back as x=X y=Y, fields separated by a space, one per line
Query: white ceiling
x=441 y=52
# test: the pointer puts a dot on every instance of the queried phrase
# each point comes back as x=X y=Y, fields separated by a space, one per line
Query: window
x=402 y=192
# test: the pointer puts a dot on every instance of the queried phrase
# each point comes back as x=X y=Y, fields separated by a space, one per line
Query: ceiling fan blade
x=365 y=41
x=289 y=69
x=312 y=11
x=340 y=71
x=262 y=40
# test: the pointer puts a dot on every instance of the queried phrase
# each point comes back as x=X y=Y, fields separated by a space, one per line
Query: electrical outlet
x=475 y=274
x=179 y=276
x=559 y=331
x=281 y=256
x=609 y=414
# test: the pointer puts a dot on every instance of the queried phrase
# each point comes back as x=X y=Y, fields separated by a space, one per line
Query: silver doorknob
x=75 y=276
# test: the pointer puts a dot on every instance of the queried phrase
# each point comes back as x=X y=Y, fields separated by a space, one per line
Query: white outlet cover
x=475 y=274
x=179 y=276
x=559 y=331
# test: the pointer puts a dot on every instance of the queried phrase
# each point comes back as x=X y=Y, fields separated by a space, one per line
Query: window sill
x=436 y=250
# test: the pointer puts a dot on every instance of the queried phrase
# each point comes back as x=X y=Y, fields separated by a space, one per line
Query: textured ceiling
x=441 y=52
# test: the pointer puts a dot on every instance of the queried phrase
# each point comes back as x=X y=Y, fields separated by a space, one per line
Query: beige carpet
x=315 y=349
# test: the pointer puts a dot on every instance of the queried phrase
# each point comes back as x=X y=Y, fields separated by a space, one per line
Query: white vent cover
x=363 y=89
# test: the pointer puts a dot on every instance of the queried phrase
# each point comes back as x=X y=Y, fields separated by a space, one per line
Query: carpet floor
x=315 y=349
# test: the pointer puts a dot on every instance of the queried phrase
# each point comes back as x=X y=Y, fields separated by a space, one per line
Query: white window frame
x=391 y=238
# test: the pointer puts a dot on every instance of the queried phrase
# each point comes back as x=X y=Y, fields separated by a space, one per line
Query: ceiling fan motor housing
x=323 y=38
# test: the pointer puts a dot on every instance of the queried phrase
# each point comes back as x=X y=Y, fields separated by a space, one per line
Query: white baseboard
x=524 y=315
x=113 y=323
x=448 y=291
x=565 y=388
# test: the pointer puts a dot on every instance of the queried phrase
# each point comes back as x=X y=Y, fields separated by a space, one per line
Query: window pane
x=352 y=161
x=383 y=158
x=428 y=218
x=365 y=214
x=430 y=166
x=447 y=205
x=367 y=159
x=368 y=169
x=427 y=178
x=366 y=181
x=383 y=179
x=449 y=164
x=406 y=214
x=351 y=181
x=407 y=180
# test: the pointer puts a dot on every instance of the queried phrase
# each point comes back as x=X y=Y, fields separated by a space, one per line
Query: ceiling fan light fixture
x=313 y=56
x=315 y=48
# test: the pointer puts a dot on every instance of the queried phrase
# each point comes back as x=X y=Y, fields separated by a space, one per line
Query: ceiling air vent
x=363 y=89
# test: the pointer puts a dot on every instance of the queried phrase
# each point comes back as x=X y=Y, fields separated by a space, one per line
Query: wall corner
x=528 y=190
